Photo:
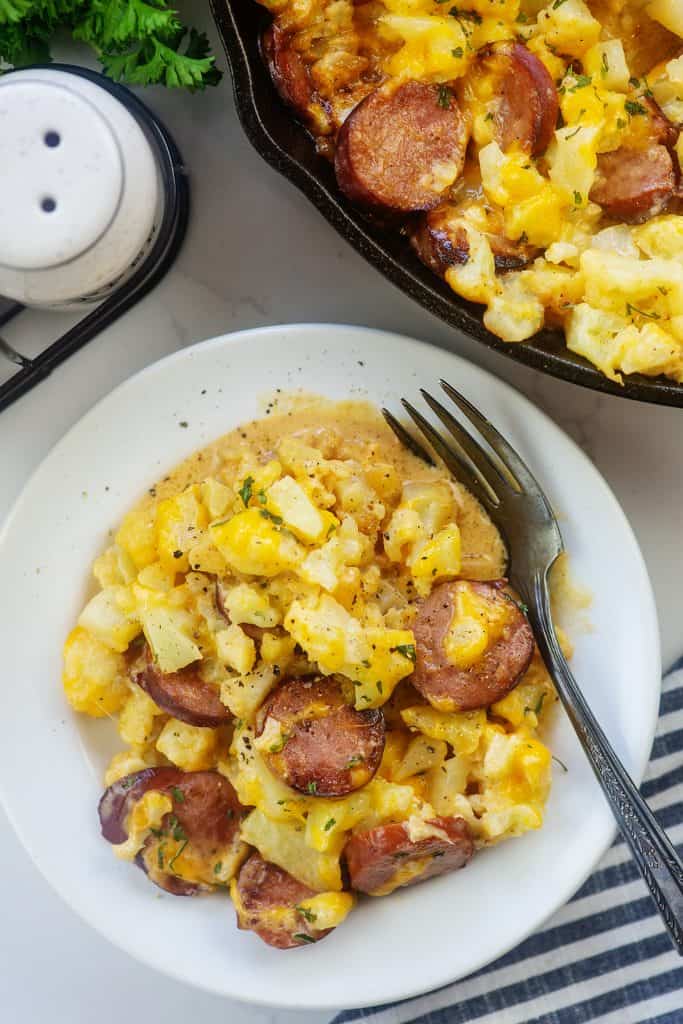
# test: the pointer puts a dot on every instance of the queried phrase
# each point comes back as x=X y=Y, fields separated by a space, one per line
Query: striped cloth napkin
x=604 y=957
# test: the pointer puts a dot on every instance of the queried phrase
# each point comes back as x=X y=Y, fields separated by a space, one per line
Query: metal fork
x=515 y=502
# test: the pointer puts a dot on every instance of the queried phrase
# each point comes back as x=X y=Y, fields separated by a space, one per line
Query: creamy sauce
x=342 y=430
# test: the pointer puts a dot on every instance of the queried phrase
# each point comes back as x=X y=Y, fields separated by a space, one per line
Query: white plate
x=51 y=760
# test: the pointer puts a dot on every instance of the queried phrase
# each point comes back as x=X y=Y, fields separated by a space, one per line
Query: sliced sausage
x=206 y=818
x=402 y=150
x=287 y=69
x=452 y=688
x=183 y=694
x=321 y=745
x=388 y=856
x=266 y=900
x=634 y=184
x=440 y=240
x=526 y=101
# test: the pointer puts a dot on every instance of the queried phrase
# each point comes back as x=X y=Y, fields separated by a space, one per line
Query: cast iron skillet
x=287 y=146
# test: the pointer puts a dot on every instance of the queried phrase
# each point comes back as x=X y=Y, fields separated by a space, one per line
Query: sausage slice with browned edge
x=403 y=853
x=320 y=744
x=267 y=899
x=440 y=240
x=183 y=694
x=525 y=98
x=450 y=686
x=287 y=69
x=633 y=185
x=200 y=837
x=401 y=150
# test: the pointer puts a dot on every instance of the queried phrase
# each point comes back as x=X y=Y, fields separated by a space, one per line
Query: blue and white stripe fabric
x=604 y=957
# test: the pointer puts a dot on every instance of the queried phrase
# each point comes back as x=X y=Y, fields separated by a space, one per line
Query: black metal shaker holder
x=152 y=267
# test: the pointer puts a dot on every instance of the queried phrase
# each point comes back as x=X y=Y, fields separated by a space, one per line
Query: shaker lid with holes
x=80 y=187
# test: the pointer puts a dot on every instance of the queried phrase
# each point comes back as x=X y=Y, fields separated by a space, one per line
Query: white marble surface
x=258 y=253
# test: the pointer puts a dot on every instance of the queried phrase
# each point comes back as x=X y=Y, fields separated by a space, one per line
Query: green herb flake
x=330 y=823
x=407 y=650
x=472 y=16
x=308 y=915
x=634 y=108
x=380 y=688
x=577 y=198
x=604 y=69
x=245 y=490
x=176 y=855
x=302 y=937
x=458 y=51
x=354 y=761
x=160 y=856
x=276 y=520
x=631 y=309
x=443 y=97
x=558 y=3
x=312 y=788
x=580 y=82
x=539 y=704
x=218 y=867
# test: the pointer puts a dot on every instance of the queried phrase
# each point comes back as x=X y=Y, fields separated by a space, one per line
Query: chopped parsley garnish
x=312 y=787
x=278 y=745
x=330 y=823
x=277 y=520
x=127 y=783
x=407 y=650
x=635 y=82
x=354 y=761
x=443 y=97
x=457 y=52
x=630 y=310
x=581 y=81
x=577 y=198
x=524 y=608
x=218 y=867
x=455 y=12
x=539 y=705
x=523 y=238
x=261 y=497
x=307 y=914
x=245 y=490
x=380 y=688
x=160 y=855
x=558 y=3
x=302 y=937
x=522 y=18
x=177 y=854
x=575 y=132
x=633 y=108
x=605 y=66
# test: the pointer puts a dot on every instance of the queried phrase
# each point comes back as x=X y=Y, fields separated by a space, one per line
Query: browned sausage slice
x=440 y=240
x=402 y=150
x=184 y=694
x=452 y=687
x=287 y=69
x=321 y=745
x=266 y=902
x=526 y=102
x=386 y=857
x=634 y=184
x=204 y=824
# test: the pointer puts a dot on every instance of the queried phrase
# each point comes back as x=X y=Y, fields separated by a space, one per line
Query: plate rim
x=649 y=623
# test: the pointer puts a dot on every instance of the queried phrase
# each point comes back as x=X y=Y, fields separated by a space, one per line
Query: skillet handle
x=657 y=860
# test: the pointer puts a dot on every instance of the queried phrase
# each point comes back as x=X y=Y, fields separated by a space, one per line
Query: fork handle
x=657 y=860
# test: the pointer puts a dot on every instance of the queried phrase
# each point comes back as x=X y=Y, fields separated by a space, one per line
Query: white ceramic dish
x=51 y=761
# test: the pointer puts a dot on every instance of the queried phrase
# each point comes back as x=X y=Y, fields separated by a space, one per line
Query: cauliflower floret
x=252 y=542
x=245 y=603
x=347 y=547
x=660 y=237
x=167 y=631
x=606 y=61
x=651 y=350
x=114 y=566
x=179 y=522
x=476 y=279
x=514 y=313
x=94 y=676
x=569 y=27
x=668 y=13
x=137 y=534
x=104 y=618
x=572 y=158
x=375 y=658
x=244 y=694
x=425 y=508
x=652 y=288
x=288 y=500
x=236 y=649
x=136 y=721
x=433 y=47
x=216 y=497
x=592 y=333
x=190 y=747
x=539 y=217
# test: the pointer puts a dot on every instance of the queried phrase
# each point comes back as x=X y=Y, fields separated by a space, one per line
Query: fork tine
x=407 y=439
x=481 y=459
x=455 y=458
x=517 y=471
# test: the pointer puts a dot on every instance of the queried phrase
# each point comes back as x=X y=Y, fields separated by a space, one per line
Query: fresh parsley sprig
x=139 y=42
